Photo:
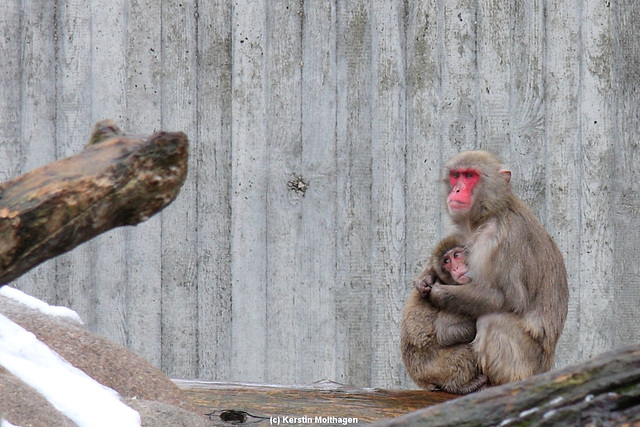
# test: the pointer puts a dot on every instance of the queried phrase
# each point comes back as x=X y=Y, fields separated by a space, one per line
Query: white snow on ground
x=37 y=304
x=82 y=399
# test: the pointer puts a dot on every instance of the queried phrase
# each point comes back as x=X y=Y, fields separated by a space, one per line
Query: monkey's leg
x=506 y=353
x=455 y=369
x=469 y=387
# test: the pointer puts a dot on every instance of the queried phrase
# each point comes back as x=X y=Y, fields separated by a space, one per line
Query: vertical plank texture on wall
x=107 y=57
x=459 y=71
x=179 y=232
x=353 y=188
x=38 y=112
x=283 y=56
x=74 y=281
x=248 y=198
x=388 y=152
x=315 y=321
x=625 y=175
x=596 y=161
x=424 y=156
x=143 y=114
x=318 y=133
x=10 y=90
x=494 y=75
x=563 y=150
x=213 y=169
x=528 y=155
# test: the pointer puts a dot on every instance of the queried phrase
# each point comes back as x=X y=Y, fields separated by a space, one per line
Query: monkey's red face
x=462 y=182
x=455 y=262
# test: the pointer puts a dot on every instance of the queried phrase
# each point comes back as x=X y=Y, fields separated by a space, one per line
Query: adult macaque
x=519 y=292
x=434 y=343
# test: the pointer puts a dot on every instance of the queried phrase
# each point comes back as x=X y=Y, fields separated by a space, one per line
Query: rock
x=140 y=385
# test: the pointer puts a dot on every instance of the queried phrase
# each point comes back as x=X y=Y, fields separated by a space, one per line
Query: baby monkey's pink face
x=455 y=262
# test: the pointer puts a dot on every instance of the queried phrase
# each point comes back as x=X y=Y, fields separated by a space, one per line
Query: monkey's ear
x=506 y=175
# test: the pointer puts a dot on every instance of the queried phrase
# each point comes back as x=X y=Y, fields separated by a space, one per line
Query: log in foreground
x=322 y=403
x=117 y=180
x=603 y=391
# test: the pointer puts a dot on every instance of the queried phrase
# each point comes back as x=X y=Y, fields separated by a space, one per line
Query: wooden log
x=117 y=180
x=322 y=403
x=602 y=391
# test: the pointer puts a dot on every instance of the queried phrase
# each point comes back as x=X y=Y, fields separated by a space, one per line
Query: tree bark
x=117 y=180
x=603 y=391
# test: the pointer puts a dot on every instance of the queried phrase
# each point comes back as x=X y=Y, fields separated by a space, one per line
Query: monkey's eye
x=456 y=254
x=469 y=175
x=455 y=174
x=446 y=260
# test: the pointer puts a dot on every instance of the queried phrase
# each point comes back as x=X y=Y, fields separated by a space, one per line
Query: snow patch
x=40 y=305
x=528 y=412
x=556 y=400
x=82 y=399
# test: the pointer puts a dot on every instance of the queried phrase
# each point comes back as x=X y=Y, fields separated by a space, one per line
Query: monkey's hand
x=424 y=281
x=422 y=287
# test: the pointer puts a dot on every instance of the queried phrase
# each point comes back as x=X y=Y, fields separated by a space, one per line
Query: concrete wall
x=244 y=278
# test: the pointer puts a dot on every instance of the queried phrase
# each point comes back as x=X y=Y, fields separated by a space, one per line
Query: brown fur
x=519 y=292
x=447 y=244
x=434 y=343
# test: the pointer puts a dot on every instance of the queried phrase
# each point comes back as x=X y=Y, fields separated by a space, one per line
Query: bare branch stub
x=117 y=180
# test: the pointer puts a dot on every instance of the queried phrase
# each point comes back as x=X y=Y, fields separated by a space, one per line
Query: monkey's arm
x=471 y=300
x=453 y=329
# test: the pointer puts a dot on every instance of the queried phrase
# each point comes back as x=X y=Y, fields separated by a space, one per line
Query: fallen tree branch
x=602 y=391
x=117 y=180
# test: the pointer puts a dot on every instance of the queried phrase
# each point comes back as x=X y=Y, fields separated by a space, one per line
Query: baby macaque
x=435 y=343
